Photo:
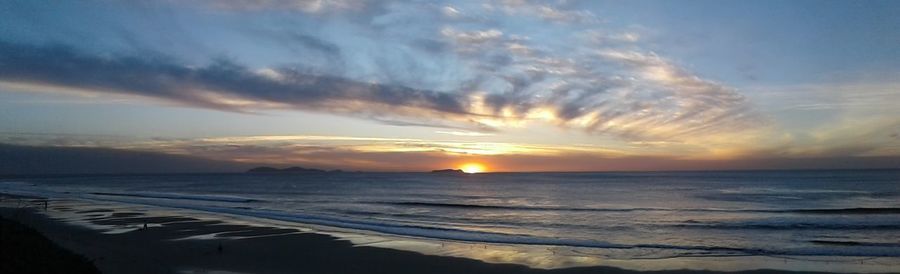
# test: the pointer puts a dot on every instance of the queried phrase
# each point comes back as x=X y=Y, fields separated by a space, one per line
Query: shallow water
x=626 y=215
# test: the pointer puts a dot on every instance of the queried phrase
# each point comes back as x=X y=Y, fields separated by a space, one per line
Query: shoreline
x=176 y=243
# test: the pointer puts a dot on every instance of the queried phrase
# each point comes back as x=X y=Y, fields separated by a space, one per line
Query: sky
x=421 y=85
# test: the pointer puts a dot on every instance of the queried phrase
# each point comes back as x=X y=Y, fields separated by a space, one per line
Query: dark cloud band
x=210 y=85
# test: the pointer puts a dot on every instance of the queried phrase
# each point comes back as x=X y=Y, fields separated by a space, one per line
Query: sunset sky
x=407 y=86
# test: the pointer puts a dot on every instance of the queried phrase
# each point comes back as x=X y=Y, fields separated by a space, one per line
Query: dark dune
x=23 y=250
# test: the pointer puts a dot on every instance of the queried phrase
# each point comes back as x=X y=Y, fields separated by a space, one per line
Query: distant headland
x=302 y=170
x=449 y=171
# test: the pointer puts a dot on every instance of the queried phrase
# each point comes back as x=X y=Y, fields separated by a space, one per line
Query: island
x=448 y=171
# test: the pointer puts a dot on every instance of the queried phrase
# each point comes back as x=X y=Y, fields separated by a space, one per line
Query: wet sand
x=176 y=244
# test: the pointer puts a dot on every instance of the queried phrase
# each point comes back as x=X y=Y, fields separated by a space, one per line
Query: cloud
x=667 y=102
x=698 y=105
x=376 y=154
x=290 y=38
x=450 y=12
x=464 y=133
x=628 y=93
x=553 y=14
x=21 y=160
x=414 y=65
x=472 y=37
x=852 y=118
x=544 y=10
x=221 y=85
x=612 y=38
x=307 y=6
x=852 y=96
x=468 y=68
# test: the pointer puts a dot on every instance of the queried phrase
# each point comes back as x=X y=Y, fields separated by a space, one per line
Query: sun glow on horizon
x=472 y=168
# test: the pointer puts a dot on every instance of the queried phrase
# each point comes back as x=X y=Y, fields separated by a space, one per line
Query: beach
x=259 y=250
x=267 y=250
x=137 y=241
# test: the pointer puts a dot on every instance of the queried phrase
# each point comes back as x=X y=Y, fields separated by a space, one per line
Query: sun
x=472 y=168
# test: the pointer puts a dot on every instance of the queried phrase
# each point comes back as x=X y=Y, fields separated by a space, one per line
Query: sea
x=617 y=215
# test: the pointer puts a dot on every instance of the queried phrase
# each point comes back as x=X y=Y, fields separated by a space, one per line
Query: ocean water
x=641 y=215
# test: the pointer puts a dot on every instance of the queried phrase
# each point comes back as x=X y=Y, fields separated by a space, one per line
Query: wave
x=413 y=229
x=173 y=196
x=853 y=243
x=775 y=190
x=844 y=211
x=455 y=234
x=788 y=226
x=506 y=207
x=27 y=189
x=855 y=210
